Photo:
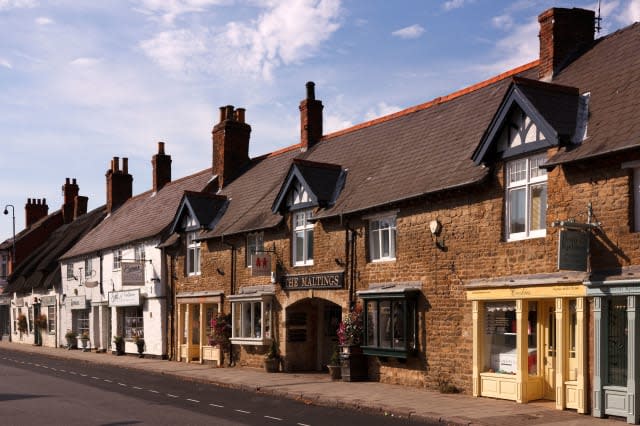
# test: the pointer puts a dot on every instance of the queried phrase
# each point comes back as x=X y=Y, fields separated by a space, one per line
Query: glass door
x=549 y=349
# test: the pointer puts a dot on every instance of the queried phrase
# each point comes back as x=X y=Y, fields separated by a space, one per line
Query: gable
x=198 y=210
x=532 y=116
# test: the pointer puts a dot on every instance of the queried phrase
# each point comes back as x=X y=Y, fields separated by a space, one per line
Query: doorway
x=549 y=348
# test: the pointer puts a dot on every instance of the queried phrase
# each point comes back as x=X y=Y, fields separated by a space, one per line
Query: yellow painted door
x=549 y=350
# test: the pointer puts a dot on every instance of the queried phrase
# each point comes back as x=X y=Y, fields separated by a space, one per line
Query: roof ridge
x=436 y=101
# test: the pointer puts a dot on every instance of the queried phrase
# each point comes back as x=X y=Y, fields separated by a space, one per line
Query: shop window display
x=500 y=337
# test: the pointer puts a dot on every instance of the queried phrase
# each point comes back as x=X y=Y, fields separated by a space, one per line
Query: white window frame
x=82 y=322
x=88 y=268
x=255 y=243
x=117 y=259
x=133 y=317
x=51 y=319
x=526 y=182
x=139 y=253
x=70 y=275
x=376 y=237
x=305 y=228
x=193 y=254
x=260 y=333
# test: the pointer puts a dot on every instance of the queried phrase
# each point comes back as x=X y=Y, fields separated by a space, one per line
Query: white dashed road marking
x=172 y=396
x=217 y=406
x=193 y=400
x=273 y=418
x=242 y=411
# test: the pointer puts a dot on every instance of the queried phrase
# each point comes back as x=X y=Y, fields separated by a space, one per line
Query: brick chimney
x=80 y=206
x=562 y=33
x=70 y=192
x=119 y=184
x=161 y=168
x=230 y=144
x=34 y=210
x=310 y=118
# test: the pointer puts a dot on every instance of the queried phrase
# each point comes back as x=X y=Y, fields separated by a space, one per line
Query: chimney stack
x=161 y=168
x=70 y=192
x=80 y=206
x=34 y=210
x=119 y=184
x=562 y=33
x=310 y=118
x=230 y=144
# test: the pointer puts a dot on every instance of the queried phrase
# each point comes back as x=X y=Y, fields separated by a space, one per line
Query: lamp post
x=13 y=217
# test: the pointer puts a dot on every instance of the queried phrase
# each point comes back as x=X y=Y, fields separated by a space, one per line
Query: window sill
x=301 y=265
x=511 y=239
x=249 y=341
x=388 y=352
x=384 y=260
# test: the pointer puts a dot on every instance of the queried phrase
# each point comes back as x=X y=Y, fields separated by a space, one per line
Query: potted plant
x=118 y=342
x=84 y=339
x=353 y=361
x=22 y=324
x=71 y=336
x=334 y=364
x=41 y=324
x=140 y=345
x=220 y=330
x=272 y=358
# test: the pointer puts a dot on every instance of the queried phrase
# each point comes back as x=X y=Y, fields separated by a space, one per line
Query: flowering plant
x=351 y=327
x=220 y=329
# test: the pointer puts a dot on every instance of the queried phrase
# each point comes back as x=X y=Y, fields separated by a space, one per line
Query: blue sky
x=82 y=82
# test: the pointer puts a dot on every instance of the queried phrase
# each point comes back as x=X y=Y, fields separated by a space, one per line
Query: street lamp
x=13 y=217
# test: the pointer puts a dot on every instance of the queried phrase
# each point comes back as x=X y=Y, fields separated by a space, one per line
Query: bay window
x=251 y=318
x=526 y=198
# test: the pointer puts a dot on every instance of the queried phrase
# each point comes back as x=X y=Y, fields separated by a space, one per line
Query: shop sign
x=5 y=300
x=261 y=264
x=48 y=301
x=77 y=302
x=329 y=280
x=573 y=247
x=132 y=273
x=19 y=301
x=124 y=298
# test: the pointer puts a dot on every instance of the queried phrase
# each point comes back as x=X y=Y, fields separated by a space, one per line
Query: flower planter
x=354 y=364
x=140 y=347
x=84 y=343
x=335 y=372
x=272 y=365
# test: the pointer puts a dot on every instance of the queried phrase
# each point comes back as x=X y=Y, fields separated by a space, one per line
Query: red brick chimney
x=562 y=32
x=310 y=118
x=230 y=144
x=161 y=168
x=70 y=192
x=119 y=184
x=80 y=206
x=35 y=210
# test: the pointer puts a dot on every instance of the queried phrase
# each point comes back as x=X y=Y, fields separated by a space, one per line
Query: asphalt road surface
x=40 y=390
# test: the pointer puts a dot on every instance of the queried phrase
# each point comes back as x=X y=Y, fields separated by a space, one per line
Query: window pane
x=237 y=319
x=246 y=320
x=617 y=344
x=538 y=207
x=257 y=318
x=51 y=319
x=516 y=171
x=573 y=327
x=500 y=337
x=516 y=210
x=372 y=323
x=375 y=245
x=299 y=249
x=532 y=338
x=392 y=242
x=385 y=243
x=399 y=337
x=385 y=324
x=309 y=244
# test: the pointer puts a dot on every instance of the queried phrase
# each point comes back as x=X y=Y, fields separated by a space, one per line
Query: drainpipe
x=232 y=291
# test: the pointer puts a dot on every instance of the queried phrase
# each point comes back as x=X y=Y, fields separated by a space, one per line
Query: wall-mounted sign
x=573 y=247
x=132 y=273
x=47 y=301
x=318 y=281
x=76 y=302
x=124 y=298
x=19 y=301
x=5 y=300
x=261 y=264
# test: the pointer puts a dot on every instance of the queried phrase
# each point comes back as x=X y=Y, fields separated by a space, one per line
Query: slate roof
x=610 y=71
x=144 y=216
x=53 y=219
x=41 y=269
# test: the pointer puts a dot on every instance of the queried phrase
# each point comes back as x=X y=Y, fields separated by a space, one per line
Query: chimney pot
x=229 y=112
x=161 y=148
x=223 y=114
x=115 y=164
x=311 y=92
x=161 y=166
x=66 y=180
x=240 y=115
x=125 y=165
x=310 y=118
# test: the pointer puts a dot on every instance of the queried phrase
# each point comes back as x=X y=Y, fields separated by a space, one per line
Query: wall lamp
x=13 y=217
x=436 y=229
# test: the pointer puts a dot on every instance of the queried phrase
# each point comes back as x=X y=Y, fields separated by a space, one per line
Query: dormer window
x=193 y=254
x=526 y=198
x=519 y=130
x=302 y=238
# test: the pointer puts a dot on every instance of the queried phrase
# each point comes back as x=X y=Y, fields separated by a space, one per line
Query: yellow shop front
x=529 y=341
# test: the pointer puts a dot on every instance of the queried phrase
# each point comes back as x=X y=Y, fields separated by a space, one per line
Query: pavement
x=317 y=388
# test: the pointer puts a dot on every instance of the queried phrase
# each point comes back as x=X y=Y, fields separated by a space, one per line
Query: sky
x=84 y=81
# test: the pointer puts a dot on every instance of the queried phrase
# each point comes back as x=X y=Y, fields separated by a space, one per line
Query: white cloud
x=413 y=31
x=455 y=4
x=380 y=110
x=503 y=22
x=169 y=10
x=5 y=63
x=334 y=123
x=16 y=4
x=629 y=14
x=83 y=62
x=43 y=20
x=281 y=35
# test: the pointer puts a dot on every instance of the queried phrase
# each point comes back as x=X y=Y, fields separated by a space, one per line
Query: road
x=35 y=389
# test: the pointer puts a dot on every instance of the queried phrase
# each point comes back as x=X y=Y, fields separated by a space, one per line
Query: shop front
x=196 y=314
x=616 y=349
x=128 y=319
x=529 y=341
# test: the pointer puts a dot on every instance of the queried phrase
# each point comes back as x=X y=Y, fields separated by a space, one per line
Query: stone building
x=489 y=235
